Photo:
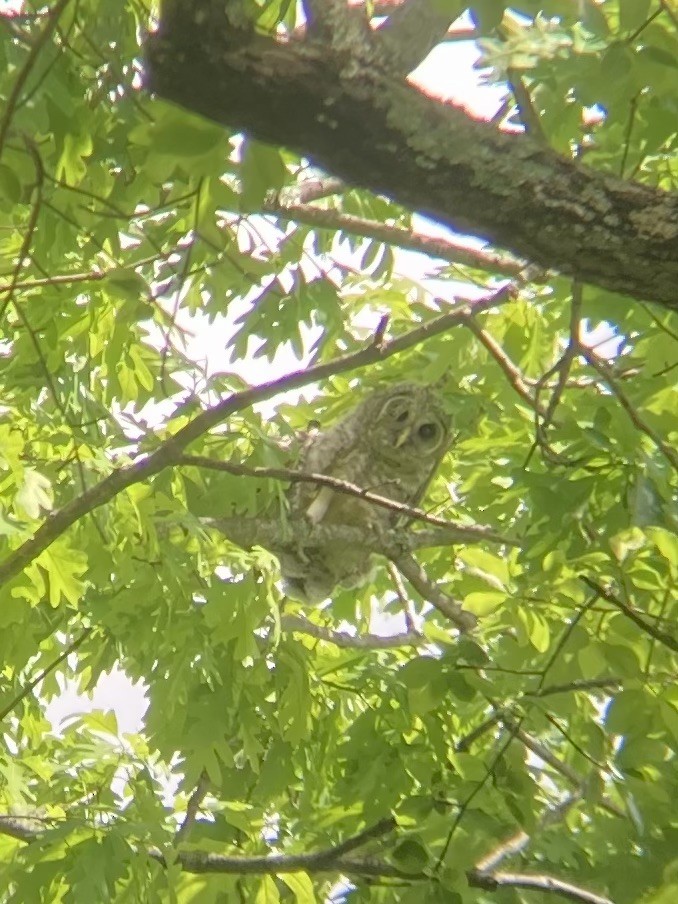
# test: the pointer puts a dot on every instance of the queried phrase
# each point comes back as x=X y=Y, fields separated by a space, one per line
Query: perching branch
x=451 y=532
x=168 y=452
x=330 y=860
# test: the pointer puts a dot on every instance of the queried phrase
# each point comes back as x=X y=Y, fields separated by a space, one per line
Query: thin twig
x=297 y=624
x=192 y=808
x=513 y=373
x=450 y=608
x=528 y=113
x=464 y=532
x=444 y=249
x=32 y=58
x=30 y=687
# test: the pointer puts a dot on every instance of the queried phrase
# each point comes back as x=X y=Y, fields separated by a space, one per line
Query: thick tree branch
x=348 y=112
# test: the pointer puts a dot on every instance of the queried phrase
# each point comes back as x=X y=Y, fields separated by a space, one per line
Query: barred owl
x=390 y=444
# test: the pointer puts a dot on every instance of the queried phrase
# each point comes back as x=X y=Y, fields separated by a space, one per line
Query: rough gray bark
x=358 y=120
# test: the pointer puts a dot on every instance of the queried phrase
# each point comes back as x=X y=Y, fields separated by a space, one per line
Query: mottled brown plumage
x=390 y=444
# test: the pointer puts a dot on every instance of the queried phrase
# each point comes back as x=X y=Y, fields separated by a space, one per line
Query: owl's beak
x=404 y=436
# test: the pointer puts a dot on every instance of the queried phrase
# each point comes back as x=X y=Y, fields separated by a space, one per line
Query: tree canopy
x=207 y=214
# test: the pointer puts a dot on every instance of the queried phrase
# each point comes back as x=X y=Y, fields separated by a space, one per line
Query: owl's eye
x=397 y=408
x=429 y=433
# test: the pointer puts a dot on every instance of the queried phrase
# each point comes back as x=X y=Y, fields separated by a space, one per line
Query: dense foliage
x=153 y=271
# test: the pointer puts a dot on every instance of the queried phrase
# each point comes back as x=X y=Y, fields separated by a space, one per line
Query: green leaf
x=262 y=170
x=34 y=494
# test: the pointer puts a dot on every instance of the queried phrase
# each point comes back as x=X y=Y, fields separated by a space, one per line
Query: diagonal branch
x=662 y=637
x=167 y=454
x=33 y=683
x=450 y=608
x=608 y=376
x=192 y=808
x=411 y=32
x=513 y=373
x=445 y=249
x=345 y=111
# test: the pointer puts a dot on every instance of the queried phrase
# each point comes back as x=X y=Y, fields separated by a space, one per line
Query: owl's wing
x=325 y=453
x=318 y=507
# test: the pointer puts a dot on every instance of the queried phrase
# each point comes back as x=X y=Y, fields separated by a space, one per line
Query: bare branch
x=295 y=623
x=542 y=883
x=513 y=373
x=449 y=531
x=168 y=452
x=605 y=593
x=445 y=249
x=520 y=840
x=307 y=190
x=25 y=828
x=415 y=574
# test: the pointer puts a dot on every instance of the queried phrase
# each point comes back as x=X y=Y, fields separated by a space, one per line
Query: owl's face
x=410 y=424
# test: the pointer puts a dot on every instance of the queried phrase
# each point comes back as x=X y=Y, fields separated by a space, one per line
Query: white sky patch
x=114 y=691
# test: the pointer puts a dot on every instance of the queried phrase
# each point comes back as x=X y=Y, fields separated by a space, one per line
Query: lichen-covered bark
x=373 y=129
